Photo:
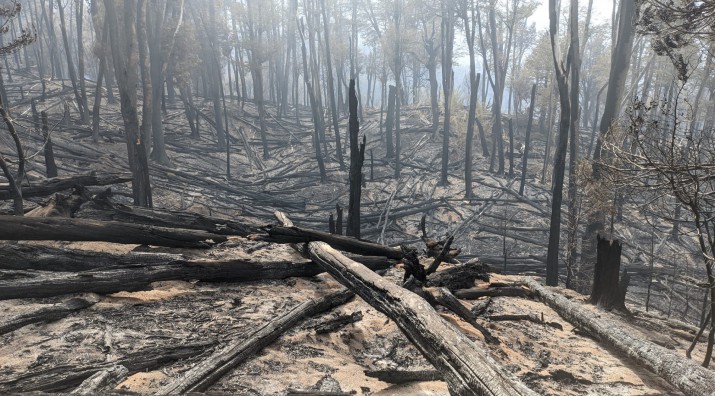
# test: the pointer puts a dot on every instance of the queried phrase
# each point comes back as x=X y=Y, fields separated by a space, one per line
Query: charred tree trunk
x=125 y=59
x=331 y=88
x=81 y=100
x=447 y=85
x=317 y=118
x=552 y=258
x=607 y=292
x=389 y=121
x=50 y=165
x=527 y=141
x=147 y=94
x=155 y=25
x=357 y=157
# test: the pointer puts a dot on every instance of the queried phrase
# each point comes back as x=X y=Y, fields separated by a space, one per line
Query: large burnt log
x=686 y=375
x=45 y=187
x=467 y=369
x=15 y=228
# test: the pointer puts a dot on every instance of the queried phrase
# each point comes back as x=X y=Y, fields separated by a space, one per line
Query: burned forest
x=357 y=197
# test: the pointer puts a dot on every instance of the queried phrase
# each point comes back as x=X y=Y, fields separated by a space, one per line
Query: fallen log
x=101 y=380
x=18 y=228
x=334 y=324
x=205 y=373
x=474 y=293
x=102 y=209
x=32 y=284
x=45 y=187
x=467 y=369
x=282 y=234
x=526 y=317
x=60 y=378
x=443 y=297
x=404 y=376
x=48 y=258
x=689 y=377
x=461 y=276
x=46 y=313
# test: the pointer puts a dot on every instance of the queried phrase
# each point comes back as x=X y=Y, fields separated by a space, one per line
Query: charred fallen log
x=139 y=276
x=63 y=377
x=404 y=376
x=103 y=209
x=204 y=374
x=101 y=380
x=48 y=258
x=46 y=313
x=282 y=234
x=474 y=293
x=50 y=186
x=16 y=228
x=689 y=377
x=467 y=369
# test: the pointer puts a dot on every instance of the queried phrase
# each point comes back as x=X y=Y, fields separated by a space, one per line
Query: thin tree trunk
x=81 y=102
x=527 y=140
x=552 y=257
x=331 y=88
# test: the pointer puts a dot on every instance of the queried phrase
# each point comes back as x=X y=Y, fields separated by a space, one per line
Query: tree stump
x=607 y=291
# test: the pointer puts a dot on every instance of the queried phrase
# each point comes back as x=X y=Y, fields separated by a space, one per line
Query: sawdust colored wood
x=466 y=367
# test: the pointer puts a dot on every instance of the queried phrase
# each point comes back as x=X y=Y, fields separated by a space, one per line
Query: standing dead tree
x=662 y=164
x=357 y=157
x=26 y=37
x=124 y=49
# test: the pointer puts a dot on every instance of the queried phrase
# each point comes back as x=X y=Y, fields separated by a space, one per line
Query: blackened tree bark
x=256 y=61
x=15 y=181
x=317 y=118
x=608 y=292
x=50 y=165
x=147 y=95
x=155 y=14
x=447 y=82
x=389 y=121
x=124 y=48
x=620 y=63
x=81 y=100
x=431 y=46
x=331 y=89
x=552 y=256
x=397 y=16
x=573 y=143
x=470 y=27
x=468 y=160
x=80 y=59
x=527 y=140
x=499 y=76
x=357 y=157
